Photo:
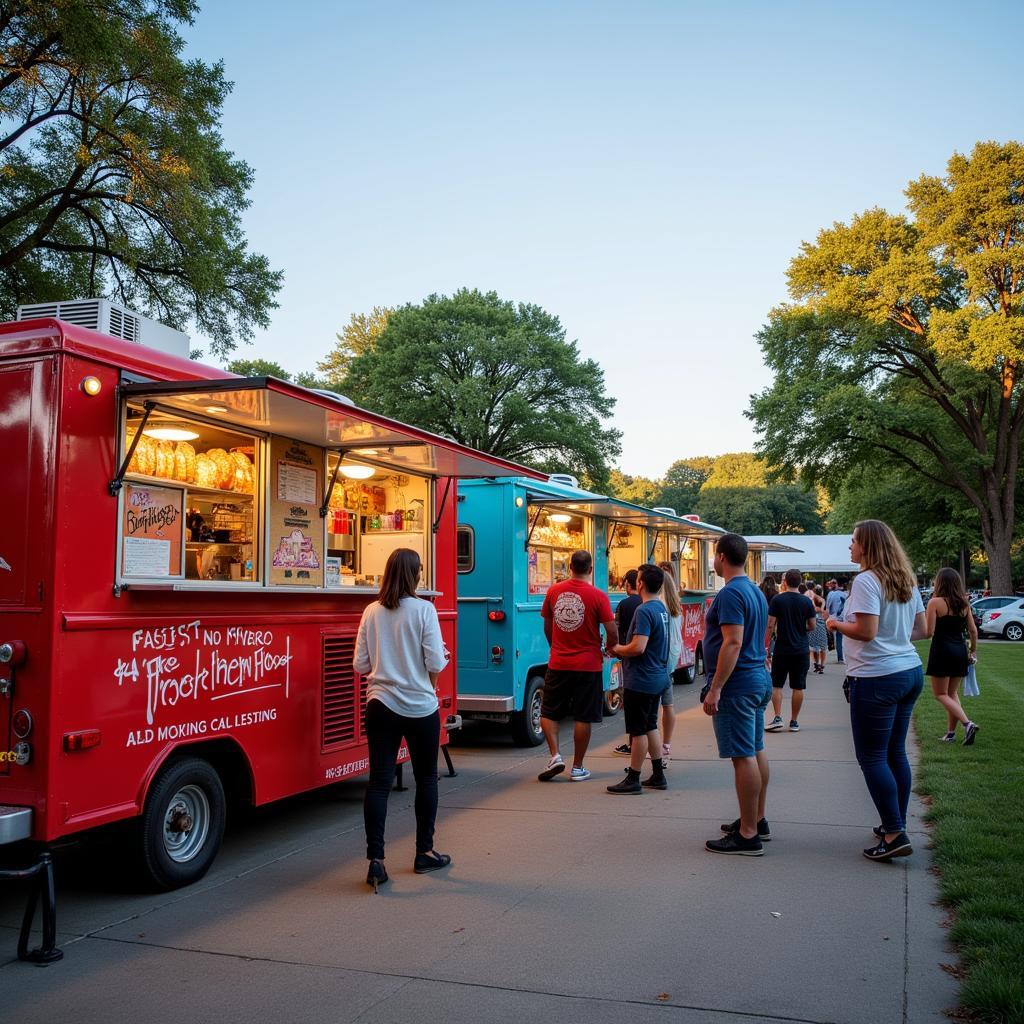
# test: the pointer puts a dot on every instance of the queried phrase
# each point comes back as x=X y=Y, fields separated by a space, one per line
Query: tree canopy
x=496 y=375
x=737 y=469
x=357 y=336
x=774 y=509
x=904 y=344
x=113 y=175
x=682 y=482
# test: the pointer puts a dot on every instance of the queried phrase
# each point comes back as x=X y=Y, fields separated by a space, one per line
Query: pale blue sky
x=644 y=170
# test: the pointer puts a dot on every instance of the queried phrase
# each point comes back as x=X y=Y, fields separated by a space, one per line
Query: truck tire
x=182 y=823
x=525 y=724
x=1014 y=631
x=612 y=702
x=684 y=675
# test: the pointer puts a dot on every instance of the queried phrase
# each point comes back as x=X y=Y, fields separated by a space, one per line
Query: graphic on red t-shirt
x=576 y=610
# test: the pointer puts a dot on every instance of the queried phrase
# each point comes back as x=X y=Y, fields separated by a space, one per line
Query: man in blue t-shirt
x=738 y=693
x=644 y=671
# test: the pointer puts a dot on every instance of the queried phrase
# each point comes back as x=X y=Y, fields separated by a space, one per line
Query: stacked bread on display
x=216 y=468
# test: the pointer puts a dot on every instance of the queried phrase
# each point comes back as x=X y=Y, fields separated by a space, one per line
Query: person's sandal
x=430 y=862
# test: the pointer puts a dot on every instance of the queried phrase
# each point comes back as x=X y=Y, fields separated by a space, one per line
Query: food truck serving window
x=555 y=536
x=371 y=513
x=189 y=507
x=691 y=563
x=626 y=552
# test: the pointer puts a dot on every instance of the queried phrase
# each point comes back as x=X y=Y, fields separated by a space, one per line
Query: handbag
x=971 y=682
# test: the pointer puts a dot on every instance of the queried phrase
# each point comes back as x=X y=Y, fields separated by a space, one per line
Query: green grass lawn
x=977 y=816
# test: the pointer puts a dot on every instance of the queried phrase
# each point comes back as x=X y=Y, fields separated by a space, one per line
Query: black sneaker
x=969 y=733
x=899 y=847
x=623 y=749
x=734 y=843
x=629 y=784
x=764 y=833
x=655 y=782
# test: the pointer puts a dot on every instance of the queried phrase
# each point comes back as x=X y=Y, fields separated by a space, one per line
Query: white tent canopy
x=818 y=553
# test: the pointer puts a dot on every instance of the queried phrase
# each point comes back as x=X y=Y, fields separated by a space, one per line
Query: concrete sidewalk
x=564 y=903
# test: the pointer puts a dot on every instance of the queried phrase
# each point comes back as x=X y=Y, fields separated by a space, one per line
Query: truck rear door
x=24 y=436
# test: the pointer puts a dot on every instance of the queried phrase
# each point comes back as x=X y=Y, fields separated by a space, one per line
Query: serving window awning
x=763 y=545
x=619 y=512
x=270 y=406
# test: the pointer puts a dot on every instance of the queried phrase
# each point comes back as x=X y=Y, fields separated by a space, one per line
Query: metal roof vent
x=664 y=508
x=337 y=396
x=565 y=479
x=113 y=319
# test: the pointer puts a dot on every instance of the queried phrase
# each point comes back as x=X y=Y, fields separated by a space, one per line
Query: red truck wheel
x=182 y=824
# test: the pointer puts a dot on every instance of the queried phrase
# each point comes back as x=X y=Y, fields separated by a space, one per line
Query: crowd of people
x=756 y=640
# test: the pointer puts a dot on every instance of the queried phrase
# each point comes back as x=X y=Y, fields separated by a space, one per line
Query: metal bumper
x=15 y=823
x=495 y=705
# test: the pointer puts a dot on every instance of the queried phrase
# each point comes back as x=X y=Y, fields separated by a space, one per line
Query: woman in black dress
x=949 y=623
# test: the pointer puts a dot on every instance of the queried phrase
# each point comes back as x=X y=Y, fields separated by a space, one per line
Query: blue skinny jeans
x=880 y=709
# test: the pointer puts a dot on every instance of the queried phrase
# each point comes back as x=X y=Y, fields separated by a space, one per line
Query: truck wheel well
x=228 y=760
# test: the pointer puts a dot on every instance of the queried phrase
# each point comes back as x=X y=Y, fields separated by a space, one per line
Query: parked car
x=988 y=604
x=1007 y=621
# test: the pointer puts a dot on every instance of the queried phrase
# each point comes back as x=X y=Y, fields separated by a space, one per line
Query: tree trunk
x=997 y=548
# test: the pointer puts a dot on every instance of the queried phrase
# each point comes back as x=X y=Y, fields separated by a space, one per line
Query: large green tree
x=681 y=485
x=357 y=336
x=114 y=179
x=774 y=509
x=497 y=375
x=933 y=523
x=737 y=469
x=640 y=490
x=904 y=344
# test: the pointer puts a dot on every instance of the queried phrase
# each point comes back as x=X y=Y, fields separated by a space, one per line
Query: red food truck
x=184 y=558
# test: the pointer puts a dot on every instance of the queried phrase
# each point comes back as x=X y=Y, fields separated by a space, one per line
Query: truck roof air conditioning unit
x=665 y=509
x=114 y=319
x=565 y=479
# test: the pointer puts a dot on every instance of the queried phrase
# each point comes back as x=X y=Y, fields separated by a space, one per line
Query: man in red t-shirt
x=574 y=612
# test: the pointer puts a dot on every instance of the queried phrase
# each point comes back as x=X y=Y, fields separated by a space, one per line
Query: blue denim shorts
x=739 y=724
x=667 y=697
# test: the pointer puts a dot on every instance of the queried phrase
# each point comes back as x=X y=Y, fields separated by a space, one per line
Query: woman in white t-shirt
x=400 y=651
x=883 y=614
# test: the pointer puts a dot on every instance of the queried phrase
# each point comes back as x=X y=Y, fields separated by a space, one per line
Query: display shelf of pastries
x=213 y=470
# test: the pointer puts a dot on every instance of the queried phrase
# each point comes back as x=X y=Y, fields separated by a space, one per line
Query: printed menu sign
x=293 y=518
x=152 y=528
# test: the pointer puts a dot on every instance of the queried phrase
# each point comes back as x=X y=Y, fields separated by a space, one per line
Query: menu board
x=152 y=531
x=294 y=526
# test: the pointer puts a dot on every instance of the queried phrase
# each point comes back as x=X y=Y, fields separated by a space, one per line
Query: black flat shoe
x=898 y=847
x=376 y=875
x=430 y=862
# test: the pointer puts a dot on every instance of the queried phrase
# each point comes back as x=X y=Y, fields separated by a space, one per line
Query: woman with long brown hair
x=882 y=617
x=674 y=606
x=400 y=651
x=950 y=622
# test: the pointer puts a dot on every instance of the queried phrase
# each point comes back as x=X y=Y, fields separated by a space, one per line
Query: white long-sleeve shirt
x=395 y=650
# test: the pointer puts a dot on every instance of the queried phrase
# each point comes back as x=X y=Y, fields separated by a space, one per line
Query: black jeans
x=384 y=732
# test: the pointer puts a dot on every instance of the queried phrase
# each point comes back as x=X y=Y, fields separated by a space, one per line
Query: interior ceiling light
x=354 y=472
x=170 y=433
x=216 y=408
x=365 y=451
x=560 y=517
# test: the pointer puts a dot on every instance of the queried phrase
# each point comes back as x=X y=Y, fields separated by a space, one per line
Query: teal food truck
x=515 y=539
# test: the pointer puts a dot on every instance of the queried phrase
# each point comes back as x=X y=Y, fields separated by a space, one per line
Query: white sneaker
x=579 y=774
x=555 y=767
